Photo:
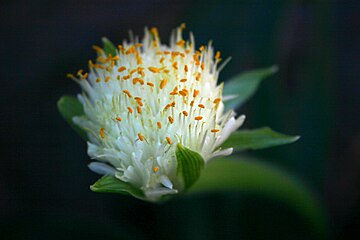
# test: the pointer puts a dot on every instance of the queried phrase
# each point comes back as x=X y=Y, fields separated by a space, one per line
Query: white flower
x=142 y=102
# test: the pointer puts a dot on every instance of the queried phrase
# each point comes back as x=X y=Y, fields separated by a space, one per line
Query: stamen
x=141 y=137
x=198 y=118
x=171 y=120
x=107 y=79
x=185 y=113
x=121 y=69
x=156 y=169
x=150 y=84
x=183 y=80
x=217 y=100
x=163 y=83
x=97 y=49
x=102 y=133
x=118 y=119
x=168 y=140
x=158 y=124
x=215 y=130
x=154 y=69
x=98 y=80
x=130 y=109
x=127 y=93
x=139 y=109
x=196 y=92
x=201 y=106
x=175 y=65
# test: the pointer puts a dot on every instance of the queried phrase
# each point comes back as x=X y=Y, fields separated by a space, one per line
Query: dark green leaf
x=70 y=107
x=257 y=139
x=244 y=85
x=261 y=179
x=189 y=165
x=110 y=184
x=109 y=47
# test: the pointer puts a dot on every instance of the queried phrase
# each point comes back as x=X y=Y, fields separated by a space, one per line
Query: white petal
x=231 y=126
x=229 y=97
x=224 y=152
x=102 y=168
x=166 y=181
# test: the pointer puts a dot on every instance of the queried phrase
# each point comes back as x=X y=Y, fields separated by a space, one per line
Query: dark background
x=44 y=180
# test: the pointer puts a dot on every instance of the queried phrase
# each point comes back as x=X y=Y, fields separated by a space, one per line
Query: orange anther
x=118 y=119
x=107 y=79
x=168 y=140
x=158 y=124
x=186 y=69
x=175 y=65
x=180 y=43
x=141 y=137
x=121 y=69
x=163 y=83
x=102 y=133
x=127 y=93
x=215 y=130
x=98 y=80
x=171 y=120
x=150 y=84
x=154 y=69
x=185 y=113
x=183 y=80
x=216 y=100
x=198 y=118
x=156 y=169
x=201 y=106
x=130 y=109
x=139 y=109
x=196 y=92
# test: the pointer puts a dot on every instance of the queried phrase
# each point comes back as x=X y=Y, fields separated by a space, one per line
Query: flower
x=143 y=99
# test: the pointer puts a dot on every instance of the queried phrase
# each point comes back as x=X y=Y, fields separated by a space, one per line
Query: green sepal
x=255 y=139
x=189 y=166
x=110 y=184
x=244 y=85
x=70 y=107
x=109 y=47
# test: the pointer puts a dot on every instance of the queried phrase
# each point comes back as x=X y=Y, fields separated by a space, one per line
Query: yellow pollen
x=202 y=66
x=79 y=72
x=162 y=60
x=196 y=92
x=166 y=52
x=201 y=106
x=198 y=118
x=183 y=80
x=130 y=109
x=150 y=84
x=85 y=76
x=168 y=140
x=166 y=71
x=215 y=130
x=127 y=93
x=158 y=124
x=118 y=119
x=183 y=93
x=217 y=55
x=171 y=120
x=182 y=26
x=154 y=69
x=121 y=69
x=98 y=80
x=156 y=169
x=192 y=103
x=102 y=133
x=202 y=48
x=185 y=113
x=108 y=68
x=198 y=76
x=163 y=83
x=107 y=79
x=175 y=65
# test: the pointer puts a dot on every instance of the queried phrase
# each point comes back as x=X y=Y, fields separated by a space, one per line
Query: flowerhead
x=143 y=100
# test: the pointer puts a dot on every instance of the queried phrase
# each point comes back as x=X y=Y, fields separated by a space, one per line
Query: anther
x=102 y=133
x=121 y=69
x=158 y=124
x=127 y=93
x=171 y=120
x=198 y=118
x=163 y=83
x=168 y=140
x=130 y=109
x=141 y=137
x=215 y=130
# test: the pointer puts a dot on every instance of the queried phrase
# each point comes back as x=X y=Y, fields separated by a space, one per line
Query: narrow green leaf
x=244 y=85
x=109 y=47
x=110 y=184
x=189 y=165
x=257 y=139
x=70 y=107
x=262 y=179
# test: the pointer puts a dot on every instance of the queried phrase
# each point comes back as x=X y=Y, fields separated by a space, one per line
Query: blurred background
x=44 y=181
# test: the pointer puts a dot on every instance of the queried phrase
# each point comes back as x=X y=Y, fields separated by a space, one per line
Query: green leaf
x=110 y=184
x=263 y=180
x=189 y=165
x=108 y=47
x=70 y=107
x=244 y=85
x=257 y=139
